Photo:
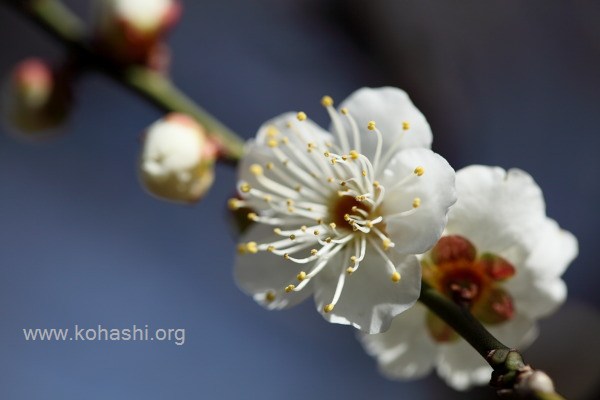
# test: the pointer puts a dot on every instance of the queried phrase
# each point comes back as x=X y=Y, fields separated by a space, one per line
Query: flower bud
x=37 y=99
x=131 y=31
x=177 y=159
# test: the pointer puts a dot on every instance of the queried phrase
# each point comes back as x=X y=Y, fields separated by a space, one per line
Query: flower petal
x=370 y=299
x=419 y=231
x=262 y=273
x=461 y=366
x=554 y=251
x=390 y=108
x=406 y=350
x=499 y=211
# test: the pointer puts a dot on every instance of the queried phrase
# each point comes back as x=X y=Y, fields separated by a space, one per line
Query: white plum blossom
x=501 y=257
x=341 y=215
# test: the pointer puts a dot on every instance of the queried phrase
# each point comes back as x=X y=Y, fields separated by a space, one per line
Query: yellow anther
x=252 y=247
x=241 y=248
x=316 y=232
x=290 y=209
x=346 y=217
x=277 y=231
x=353 y=259
x=245 y=187
x=416 y=202
x=285 y=140
x=344 y=111
x=354 y=154
x=269 y=166
x=270 y=249
x=270 y=297
x=289 y=202
x=332 y=225
x=344 y=157
x=327 y=154
x=343 y=183
x=328 y=240
x=419 y=171
x=301 y=116
x=272 y=131
x=396 y=277
x=256 y=170
x=359 y=197
x=369 y=224
x=267 y=198
x=333 y=161
x=376 y=184
x=328 y=308
x=301 y=276
x=387 y=243
x=371 y=125
x=313 y=252
x=292 y=237
x=303 y=228
x=298 y=188
x=286 y=256
x=233 y=204
x=326 y=101
x=354 y=227
x=349 y=270
x=319 y=221
x=406 y=125
x=252 y=216
x=272 y=143
x=289 y=288
x=364 y=173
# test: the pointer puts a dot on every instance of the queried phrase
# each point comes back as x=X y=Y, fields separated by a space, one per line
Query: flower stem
x=63 y=25
x=511 y=377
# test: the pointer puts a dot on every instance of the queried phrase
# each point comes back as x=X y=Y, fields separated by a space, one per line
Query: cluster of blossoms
x=359 y=216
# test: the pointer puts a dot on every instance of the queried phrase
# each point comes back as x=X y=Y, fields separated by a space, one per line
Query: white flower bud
x=177 y=159
x=133 y=30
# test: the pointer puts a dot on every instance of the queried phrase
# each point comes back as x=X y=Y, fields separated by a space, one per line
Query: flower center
x=343 y=207
x=471 y=280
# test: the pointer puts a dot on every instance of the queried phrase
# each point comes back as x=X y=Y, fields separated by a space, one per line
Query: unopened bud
x=132 y=31
x=177 y=159
x=37 y=99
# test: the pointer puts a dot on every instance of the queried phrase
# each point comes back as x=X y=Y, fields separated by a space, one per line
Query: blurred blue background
x=508 y=83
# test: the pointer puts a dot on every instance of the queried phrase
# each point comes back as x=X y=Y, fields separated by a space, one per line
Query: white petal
x=406 y=350
x=517 y=333
x=263 y=272
x=389 y=107
x=554 y=251
x=537 y=289
x=370 y=299
x=538 y=299
x=461 y=366
x=419 y=231
x=498 y=211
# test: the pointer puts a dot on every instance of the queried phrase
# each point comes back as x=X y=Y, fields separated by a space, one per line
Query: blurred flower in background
x=37 y=99
x=133 y=31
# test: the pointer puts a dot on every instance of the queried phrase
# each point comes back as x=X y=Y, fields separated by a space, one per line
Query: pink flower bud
x=36 y=99
x=132 y=31
x=177 y=159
